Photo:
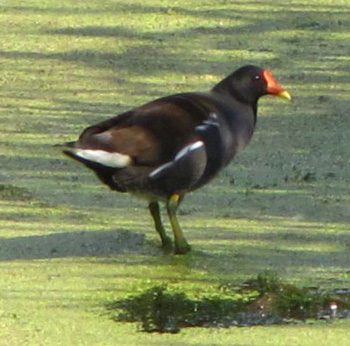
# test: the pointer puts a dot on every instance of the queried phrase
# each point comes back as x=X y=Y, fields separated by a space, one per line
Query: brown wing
x=151 y=134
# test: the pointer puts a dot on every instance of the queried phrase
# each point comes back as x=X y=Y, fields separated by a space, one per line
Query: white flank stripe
x=115 y=160
x=184 y=151
x=159 y=169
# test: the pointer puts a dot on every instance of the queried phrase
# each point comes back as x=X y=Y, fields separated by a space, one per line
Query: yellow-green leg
x=154 y=210
x=181 y=245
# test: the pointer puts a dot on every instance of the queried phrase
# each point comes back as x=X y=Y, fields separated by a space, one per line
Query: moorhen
x=175 y=144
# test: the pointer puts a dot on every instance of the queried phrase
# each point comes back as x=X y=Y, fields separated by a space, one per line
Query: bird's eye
x=256 y=77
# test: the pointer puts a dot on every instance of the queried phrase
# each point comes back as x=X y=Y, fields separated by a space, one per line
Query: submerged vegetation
x=14 y=193
x=265 y=300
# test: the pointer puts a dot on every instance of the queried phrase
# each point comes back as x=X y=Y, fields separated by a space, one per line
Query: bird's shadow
x=73 y=244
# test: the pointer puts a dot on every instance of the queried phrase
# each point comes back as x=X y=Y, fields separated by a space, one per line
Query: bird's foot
x=182 y=248
x=167 y=244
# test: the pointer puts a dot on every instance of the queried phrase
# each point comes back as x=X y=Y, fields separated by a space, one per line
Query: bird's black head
x=249 y=83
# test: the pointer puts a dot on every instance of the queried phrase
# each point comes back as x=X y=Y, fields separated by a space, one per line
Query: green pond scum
x=270 y=235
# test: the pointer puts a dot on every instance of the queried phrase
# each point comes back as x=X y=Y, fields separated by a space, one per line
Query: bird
x=173 y=145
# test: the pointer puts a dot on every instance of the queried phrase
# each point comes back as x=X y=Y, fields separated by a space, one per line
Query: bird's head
x=250 y=82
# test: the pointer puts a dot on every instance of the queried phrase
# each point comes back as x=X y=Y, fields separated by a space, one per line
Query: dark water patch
x=265 y=300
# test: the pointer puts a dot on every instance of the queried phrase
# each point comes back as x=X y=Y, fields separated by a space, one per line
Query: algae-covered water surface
x=69 y=247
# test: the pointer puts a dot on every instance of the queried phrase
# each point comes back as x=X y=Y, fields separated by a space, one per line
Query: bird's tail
x=65 y=145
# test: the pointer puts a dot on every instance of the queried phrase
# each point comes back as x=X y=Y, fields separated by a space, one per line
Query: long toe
x=182 y=248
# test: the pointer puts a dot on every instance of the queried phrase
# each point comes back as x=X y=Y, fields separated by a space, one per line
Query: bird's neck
x=235 y=96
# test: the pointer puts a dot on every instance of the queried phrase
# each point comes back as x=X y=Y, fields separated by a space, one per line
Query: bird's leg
x=154 y=210
x=181 y=245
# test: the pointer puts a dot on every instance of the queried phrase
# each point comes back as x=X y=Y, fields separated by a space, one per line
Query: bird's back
x=147 y=137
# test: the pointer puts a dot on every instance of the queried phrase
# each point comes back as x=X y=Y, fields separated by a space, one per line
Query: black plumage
x=176 y=144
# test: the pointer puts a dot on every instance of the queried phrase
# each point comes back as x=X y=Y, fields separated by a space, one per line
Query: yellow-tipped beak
x=285 y=95
x=273 y=88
